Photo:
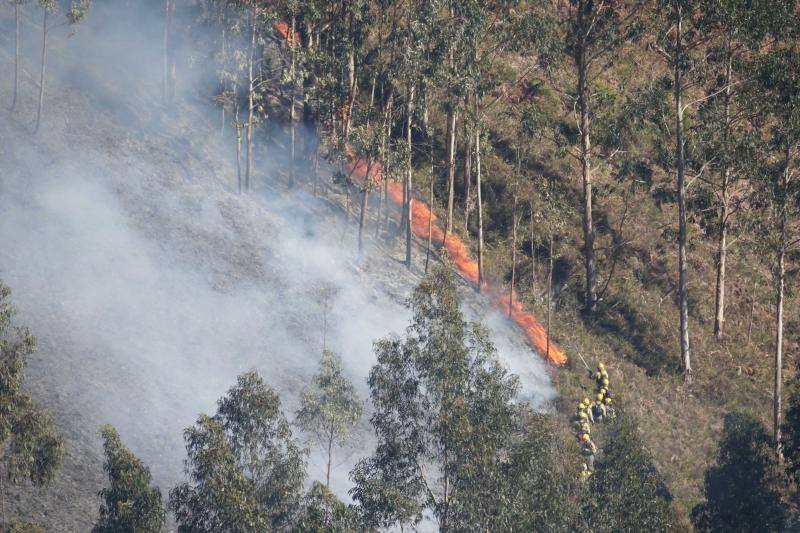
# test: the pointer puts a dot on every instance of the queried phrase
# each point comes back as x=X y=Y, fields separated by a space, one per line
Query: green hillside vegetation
x=629 y=168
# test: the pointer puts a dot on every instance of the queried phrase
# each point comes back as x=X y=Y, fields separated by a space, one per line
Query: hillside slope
x=151 y=284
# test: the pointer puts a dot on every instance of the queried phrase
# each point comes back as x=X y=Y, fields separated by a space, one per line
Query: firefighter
x=588 y=450
x=585 y=472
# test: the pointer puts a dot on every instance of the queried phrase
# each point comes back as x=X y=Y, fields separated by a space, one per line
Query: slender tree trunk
x=513 y=256
x=776 y=394
x=430 y=218
x=452 y=118
x=467 y=179
x=514 y=237
x=722 y=248
x=42 y=71
x=293 y=96
x=248 y=174
x=780 y=282
x=680 y=164
x=238 y=128
x=387 y=132
x=362 y=219
x=533 y=257
x=17 y=8
x=167 y=68
x=330 y=458
x=409 y=176
x=549 y=296
x=352 y=88
x=722 y=252
x=590 y=263
x=480 y=201
x=223 y=83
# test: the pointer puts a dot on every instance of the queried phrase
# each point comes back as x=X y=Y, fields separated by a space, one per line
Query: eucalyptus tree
x=246 y=470
x=626 y=492
x=74 y=14
x=32 y=448
x=330 y=407
x=17 y=32
x=444 y=414
x=594 y=34
x=738 y=28
x=677 y=40
x=130 y=503
x=778 y=78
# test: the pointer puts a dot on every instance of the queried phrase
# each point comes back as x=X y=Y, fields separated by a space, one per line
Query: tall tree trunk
x=430 y=219
x=165 y=73
x=292 y=117
x=330 y=457
x=362 y=219
x=722 y=245
x=42 y=71
x=480 y=201
x=514 y=237
x=17 y=8
x=513 y=256
x=467 y=178
x=680 y=164
x=248 y=173
x=590 y=263
x=409 y=175
x=238 y=128
x=352 y=87
x=780 y=282
x=387 y=132
x=549 y=296
x=533 y=256
x=452 y=118
x=223 y=83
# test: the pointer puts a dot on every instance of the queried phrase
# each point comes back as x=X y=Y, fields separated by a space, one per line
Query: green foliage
x=743 y=490
x=540 y=480
x=331 y=406
x=131 y=504
x=448 y=430
x=33 y=448
x=626 y=492
x=245 y=467
x=323 y=512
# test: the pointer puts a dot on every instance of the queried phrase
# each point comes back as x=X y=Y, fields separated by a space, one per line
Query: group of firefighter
x=588 y=413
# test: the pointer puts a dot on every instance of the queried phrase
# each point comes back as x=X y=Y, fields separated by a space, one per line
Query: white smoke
x=149 y=282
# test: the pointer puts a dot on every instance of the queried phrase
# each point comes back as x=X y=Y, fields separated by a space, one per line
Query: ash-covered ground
x=151 y=284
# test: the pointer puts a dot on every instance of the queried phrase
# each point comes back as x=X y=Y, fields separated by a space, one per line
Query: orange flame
x=460 y=255
x=285 y=30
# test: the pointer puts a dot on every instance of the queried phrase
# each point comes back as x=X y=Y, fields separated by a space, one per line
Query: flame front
x=460 y=255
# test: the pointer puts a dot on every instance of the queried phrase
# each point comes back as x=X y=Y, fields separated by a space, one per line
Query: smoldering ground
x=149 y=282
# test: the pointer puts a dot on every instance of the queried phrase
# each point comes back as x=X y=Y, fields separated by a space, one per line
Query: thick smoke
x=150 y=284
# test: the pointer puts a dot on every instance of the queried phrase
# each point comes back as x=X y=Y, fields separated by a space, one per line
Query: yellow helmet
x=608 y=401
x=605 y=382
x=601 y=367
x=586 y=401
x=603 y=391
x=582 y=414
x=599 y=397
x=585 y=437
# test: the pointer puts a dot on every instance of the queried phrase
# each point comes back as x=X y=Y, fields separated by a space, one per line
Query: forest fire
x=460 y=256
